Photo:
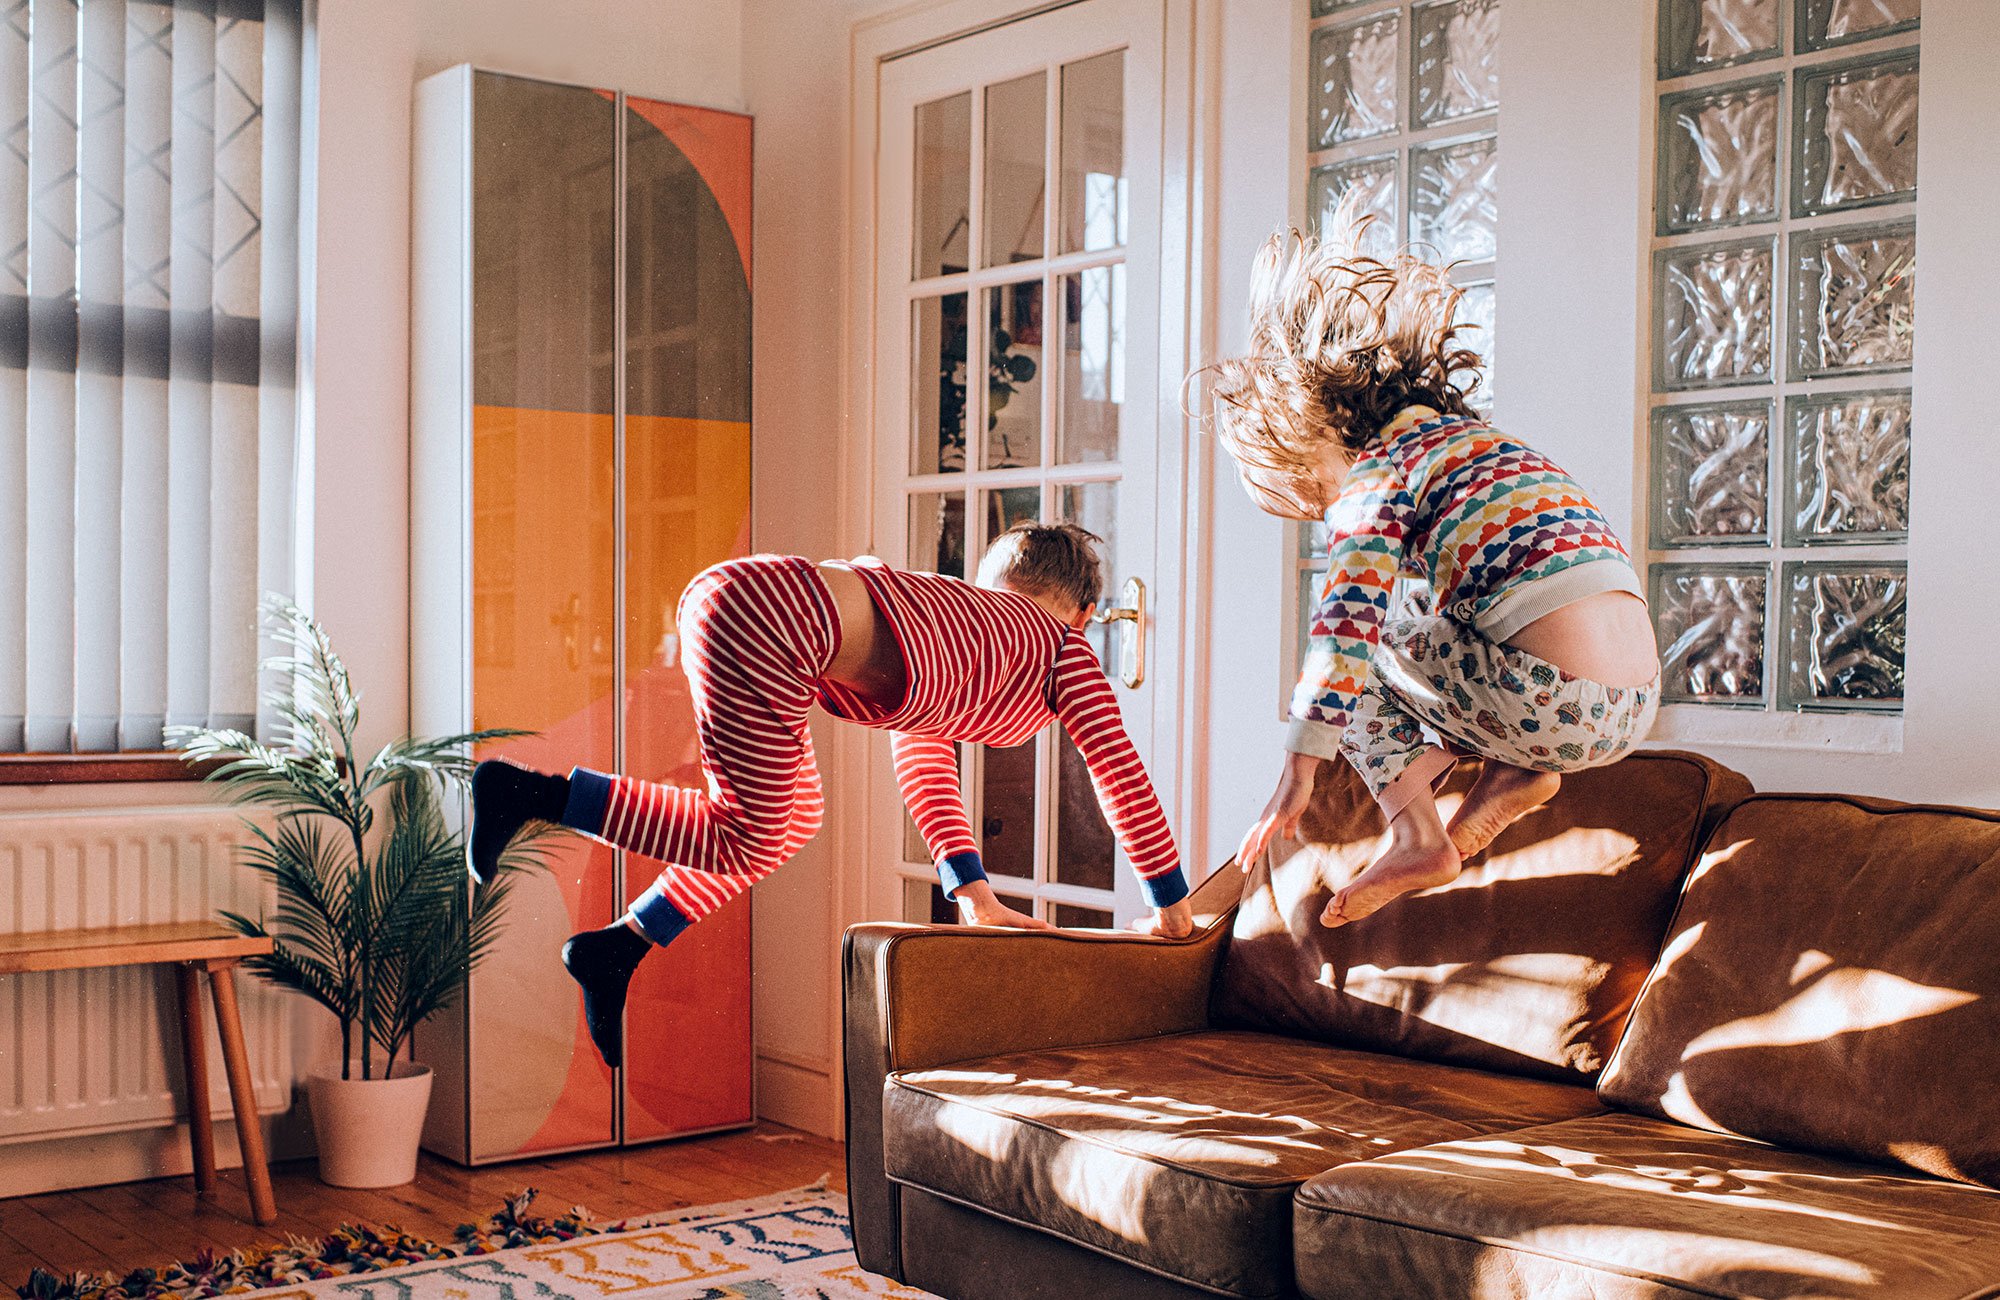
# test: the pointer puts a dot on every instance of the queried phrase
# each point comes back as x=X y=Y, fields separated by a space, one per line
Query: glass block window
x=1402 y=110
x=1782 y=318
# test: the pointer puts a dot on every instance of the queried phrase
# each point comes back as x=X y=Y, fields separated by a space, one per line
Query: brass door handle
x=1131 y=608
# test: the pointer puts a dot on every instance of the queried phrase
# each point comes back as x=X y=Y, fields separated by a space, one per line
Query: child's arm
x=1088 y=709
x=927 y=774
x=1370 y=525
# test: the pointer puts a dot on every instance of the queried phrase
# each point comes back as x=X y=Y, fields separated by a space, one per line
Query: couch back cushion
x=1832 y=981
x=1527 y=963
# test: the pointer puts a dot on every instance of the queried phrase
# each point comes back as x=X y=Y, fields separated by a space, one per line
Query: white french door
x=1016 y=370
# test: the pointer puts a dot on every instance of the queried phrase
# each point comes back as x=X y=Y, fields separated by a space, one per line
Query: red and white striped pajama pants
x=756 y=634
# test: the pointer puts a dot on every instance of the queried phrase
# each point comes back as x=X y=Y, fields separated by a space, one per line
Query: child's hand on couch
x=1175 y=921
x=979 y=905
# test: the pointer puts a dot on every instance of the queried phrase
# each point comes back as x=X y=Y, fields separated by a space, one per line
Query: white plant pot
x=368 y=1129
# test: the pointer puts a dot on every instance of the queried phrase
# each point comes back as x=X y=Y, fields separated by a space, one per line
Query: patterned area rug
x=794 y=1246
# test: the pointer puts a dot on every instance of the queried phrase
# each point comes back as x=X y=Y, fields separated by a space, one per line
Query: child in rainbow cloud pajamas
x=1540 y=657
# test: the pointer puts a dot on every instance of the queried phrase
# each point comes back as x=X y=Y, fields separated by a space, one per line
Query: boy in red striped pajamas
x=931 y=659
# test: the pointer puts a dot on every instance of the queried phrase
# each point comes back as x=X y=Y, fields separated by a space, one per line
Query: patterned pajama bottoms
x=1434 y=682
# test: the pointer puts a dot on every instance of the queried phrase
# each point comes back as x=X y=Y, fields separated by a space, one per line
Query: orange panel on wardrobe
x=687 y=506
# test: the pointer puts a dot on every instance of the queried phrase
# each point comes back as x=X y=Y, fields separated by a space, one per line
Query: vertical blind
x=150 y=280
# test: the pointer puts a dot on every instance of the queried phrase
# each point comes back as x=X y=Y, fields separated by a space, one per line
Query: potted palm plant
x=376 y=919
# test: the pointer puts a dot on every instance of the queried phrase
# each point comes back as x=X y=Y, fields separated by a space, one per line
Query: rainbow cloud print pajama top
x=1503 y=536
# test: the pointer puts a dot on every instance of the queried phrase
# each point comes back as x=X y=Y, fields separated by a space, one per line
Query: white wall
x=1257 y=172
x=796 y=86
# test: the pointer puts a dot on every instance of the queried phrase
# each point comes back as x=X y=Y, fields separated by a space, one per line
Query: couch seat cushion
x=1527 y=963
x=1618 y=1206
x=1180 y=1154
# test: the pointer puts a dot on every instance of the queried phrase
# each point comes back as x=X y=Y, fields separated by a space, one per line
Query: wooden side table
x=191 y=947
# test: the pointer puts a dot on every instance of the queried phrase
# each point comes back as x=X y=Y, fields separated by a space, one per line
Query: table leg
x=249 y=1133
x=194 y=1052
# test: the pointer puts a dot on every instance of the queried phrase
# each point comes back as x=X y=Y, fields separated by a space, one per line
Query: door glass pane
x=1071 y=917
x=1014 y=375
x=937 y=532
x=925 y=904
x=1007 y=809
x=1093 y=153
x=1094 y=506
x=1016 y=158
x=1085 y=850
x=1093 y=380
x=943 y=224
x=1010 y=506
x=937 y=383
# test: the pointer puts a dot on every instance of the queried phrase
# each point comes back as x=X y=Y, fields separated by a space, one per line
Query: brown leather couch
x=1666 y=1038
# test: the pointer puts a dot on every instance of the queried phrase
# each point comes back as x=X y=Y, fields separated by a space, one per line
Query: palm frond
x=448 y=758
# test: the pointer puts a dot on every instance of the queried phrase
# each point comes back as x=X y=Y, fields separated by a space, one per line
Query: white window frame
x=1768 y=724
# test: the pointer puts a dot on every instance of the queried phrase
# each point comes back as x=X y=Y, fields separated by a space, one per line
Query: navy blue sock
x=506 y=797
x=602 y=961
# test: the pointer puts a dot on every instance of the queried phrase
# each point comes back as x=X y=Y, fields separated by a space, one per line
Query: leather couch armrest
x=917 y=996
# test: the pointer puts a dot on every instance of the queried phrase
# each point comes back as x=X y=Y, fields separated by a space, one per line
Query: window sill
x=99 y=769
x=1833 y=733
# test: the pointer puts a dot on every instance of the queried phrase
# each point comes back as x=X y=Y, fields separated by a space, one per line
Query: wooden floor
x=116 y=1229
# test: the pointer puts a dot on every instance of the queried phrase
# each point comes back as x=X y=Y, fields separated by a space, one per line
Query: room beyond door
x=1016 y=301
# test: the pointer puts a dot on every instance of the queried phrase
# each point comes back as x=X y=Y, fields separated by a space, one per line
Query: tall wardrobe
x=581 y=449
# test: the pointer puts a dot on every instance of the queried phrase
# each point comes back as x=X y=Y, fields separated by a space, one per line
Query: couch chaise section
x=1806 y=1086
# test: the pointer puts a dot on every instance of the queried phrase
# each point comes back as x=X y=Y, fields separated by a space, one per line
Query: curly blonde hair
x=1340 y=341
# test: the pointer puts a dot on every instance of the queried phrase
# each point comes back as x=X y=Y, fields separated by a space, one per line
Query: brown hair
x=1340 y=341
x=1039 y=559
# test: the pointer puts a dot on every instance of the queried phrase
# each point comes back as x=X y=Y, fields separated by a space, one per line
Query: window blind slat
x=99 y=363
x=52 y=333
x=278 y=307
x=14 y=89
x=190 y=364
x=235 y=241
x=148 y=235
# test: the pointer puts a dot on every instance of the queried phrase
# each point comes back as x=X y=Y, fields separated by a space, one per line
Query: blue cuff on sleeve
x=659 y=920
x=589 y=796
x=1164 y=891
x=958 y=870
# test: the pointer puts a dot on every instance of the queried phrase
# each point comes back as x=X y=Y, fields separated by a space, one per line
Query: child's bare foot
x=1500 y=797
x=1418 y=857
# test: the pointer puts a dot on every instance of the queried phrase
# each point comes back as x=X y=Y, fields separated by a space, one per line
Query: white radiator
x=96 y=1051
